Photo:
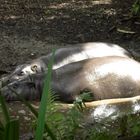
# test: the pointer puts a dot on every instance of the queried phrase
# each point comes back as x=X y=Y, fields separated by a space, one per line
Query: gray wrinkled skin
x=64 y=56
x=106 y=77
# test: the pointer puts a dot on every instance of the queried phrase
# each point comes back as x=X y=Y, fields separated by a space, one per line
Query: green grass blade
x=1 y=135
x=43 y=104
x=4 y=109
x=33 y=111
x=1 y=130
x=12 y=130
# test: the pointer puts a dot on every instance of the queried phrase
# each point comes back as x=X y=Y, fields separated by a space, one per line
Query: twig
x=125 y=31
x=101 y=102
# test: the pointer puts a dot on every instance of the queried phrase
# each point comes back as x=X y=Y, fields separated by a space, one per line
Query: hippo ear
x=34 y=68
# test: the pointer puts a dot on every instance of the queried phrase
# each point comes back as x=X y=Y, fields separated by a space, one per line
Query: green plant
x=9 y=129
x=43 y=104
x=136 y=7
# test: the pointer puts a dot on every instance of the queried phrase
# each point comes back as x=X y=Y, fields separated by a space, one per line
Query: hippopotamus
x=65 y=56
x=105 y=77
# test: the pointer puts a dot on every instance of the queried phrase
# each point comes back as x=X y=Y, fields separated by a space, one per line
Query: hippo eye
x=21 y=73
x=34 y=68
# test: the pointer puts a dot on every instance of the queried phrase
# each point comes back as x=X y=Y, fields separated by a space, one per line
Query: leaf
x=12 y=130
x=4 y=109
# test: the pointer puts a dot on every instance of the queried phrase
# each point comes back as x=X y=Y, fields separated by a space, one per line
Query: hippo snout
x=7 y=94
x=24 y=89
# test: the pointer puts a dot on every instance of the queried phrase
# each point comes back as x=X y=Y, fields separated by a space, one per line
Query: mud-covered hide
x=63 y=56
x=105 y=77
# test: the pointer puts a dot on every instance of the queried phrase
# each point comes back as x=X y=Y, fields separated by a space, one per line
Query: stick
x=101 y=102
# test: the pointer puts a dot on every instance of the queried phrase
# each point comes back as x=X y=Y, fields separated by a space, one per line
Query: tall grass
x=43 y=105
x=9 y=129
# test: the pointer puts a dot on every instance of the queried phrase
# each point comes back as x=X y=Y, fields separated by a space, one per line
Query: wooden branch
x=94 y=104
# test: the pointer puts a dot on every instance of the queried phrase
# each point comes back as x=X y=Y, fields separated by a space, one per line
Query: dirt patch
x=30 y=29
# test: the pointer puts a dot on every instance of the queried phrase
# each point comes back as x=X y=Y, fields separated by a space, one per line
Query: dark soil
x=30 y=28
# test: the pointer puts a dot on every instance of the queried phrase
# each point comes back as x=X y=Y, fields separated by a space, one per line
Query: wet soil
x=31 y=28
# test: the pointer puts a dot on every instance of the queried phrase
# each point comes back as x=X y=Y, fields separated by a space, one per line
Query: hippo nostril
x=8 y=80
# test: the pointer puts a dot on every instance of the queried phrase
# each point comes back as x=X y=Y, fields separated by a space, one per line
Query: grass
x=136 y=8
x=9 y=129
x=43 y=105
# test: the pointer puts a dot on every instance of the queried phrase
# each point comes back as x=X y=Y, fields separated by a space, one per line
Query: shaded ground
x=30 y=28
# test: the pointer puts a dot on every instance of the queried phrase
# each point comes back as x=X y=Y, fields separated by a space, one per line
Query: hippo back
x=64 y=56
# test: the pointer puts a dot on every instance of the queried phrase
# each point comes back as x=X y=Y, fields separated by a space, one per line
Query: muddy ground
x=31 y=28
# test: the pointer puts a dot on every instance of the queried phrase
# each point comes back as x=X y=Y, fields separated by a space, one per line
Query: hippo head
x=30 y=88
x=23 y=71
x=28 y=69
